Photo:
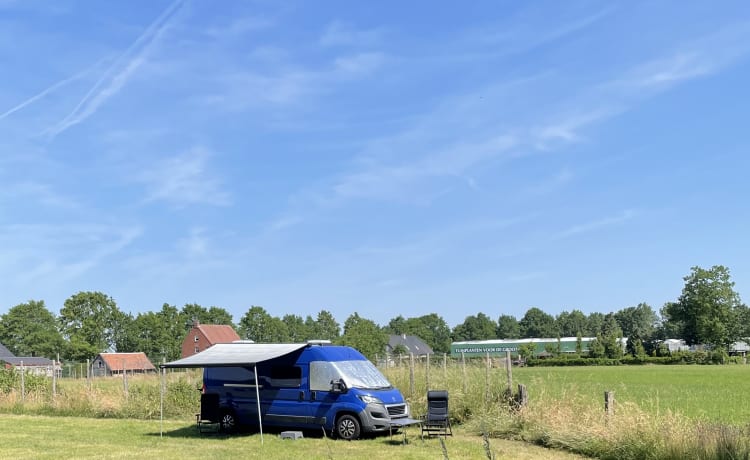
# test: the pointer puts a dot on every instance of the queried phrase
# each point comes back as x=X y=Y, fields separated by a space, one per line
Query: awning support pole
x=257 y=399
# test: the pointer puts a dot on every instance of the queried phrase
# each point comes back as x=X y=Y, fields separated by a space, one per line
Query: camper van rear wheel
x=228 y=421
x=347 y=427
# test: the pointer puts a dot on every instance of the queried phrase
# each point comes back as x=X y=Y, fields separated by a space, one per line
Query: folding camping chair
x=437 y=421
x=210 y=416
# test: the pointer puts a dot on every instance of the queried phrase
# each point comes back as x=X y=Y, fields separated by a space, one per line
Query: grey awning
x=236 y=354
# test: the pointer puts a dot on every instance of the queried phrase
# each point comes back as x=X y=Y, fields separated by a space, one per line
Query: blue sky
x=383 y=158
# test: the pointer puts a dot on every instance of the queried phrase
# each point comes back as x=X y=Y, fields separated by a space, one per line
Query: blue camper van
x=316 y=385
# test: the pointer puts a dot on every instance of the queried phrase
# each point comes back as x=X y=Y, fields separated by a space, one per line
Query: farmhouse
x=33 y=364
x=407 y=344
x=108 y=364
x=202 y=336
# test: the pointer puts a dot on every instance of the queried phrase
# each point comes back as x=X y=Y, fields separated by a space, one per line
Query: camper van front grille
x=397 y=410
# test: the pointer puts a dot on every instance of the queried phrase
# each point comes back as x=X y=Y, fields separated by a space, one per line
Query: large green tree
x=475 y=327
x=638 y=322
x=536 y=323
x=29 y=329
x=508 y=327
x=324 y=327
x=258 y=325
x=159 y=334
x=212 y=315
x=707 y=310
x=88 y=320
x=594 y=324
x=296 y=328
x=571 y=324
x=125 y=333
x=364 y=335
x=639 y=325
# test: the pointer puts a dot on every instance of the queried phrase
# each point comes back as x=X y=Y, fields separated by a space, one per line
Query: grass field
x=42 y=437
x=705 y=393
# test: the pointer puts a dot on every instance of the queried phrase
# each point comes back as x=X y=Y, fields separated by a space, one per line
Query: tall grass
x=105 y=397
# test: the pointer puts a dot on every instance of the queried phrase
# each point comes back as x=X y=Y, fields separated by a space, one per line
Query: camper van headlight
x=367 y=399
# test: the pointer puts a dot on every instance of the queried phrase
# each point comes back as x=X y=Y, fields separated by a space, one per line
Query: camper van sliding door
x=236 y=387
x=283 y=396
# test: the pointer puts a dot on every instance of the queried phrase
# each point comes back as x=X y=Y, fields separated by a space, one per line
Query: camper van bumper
x=376 y=418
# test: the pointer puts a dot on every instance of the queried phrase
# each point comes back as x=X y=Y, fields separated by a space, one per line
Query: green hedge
x=680 y=357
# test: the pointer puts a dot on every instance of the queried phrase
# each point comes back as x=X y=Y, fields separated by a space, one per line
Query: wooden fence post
x=509 y=371
x=487 y=378
x=411 y=374
x=523 y=396
x=54 y=377
x=23 y=383
x=463 y=370
x=427 y=372
x=88 y=375
x=609 y=403
x=124 y=378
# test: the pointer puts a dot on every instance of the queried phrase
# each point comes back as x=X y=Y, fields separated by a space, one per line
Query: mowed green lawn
x=709 y=393
x=42 y=437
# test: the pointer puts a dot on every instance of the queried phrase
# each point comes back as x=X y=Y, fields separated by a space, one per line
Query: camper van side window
x=230 y=375
x=285 y=377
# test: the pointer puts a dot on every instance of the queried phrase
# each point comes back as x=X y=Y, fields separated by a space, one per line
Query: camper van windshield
x=356 y=374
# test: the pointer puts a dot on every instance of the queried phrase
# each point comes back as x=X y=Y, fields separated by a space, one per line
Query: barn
x=108 y=364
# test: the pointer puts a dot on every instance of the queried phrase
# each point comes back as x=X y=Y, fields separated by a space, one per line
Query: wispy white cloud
x=526 y=32
x=123 y=237
x=594 y=225
x=119 y=73
x=357 y=64
x=195 y=245
x=393 y=181
x=50 y=89
x=700 y=57
x=520 y=35
x=284 y=223
x=552 y=183
x=568 y=127
x=282 y=85
x=40 y=193
x=60 y=252
x=185 y=179
x=339 y=33
x=471 y=130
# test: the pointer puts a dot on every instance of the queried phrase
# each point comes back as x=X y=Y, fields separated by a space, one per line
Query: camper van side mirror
x=338 y=386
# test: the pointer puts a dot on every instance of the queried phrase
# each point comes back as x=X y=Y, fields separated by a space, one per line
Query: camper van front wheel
x=347 y=427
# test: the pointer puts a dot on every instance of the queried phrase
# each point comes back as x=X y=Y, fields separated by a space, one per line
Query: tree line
x=707 y=312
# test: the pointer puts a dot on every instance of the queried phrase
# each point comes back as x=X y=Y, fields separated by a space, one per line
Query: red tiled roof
x=131 y=361
x=218 y=333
